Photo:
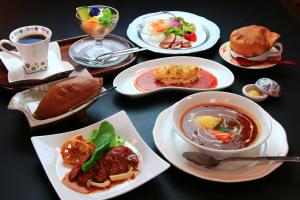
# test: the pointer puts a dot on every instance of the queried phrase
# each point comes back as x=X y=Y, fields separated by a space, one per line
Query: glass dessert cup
x=97 y=22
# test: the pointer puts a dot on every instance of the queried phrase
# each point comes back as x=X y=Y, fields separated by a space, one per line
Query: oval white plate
x=125 y=80
x=172 y=146
x=224 y=52
x=208 y=33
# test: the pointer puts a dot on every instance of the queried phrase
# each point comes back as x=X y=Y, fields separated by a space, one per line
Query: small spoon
x=208 y=161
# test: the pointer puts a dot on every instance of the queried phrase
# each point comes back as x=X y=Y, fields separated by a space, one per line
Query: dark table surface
x=21 y=173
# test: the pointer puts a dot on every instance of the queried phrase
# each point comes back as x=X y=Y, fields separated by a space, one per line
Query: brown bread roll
x=251 y=41
x=67 y=94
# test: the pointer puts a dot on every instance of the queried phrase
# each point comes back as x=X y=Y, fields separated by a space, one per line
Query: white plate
x=48 y=150
x=125 y=80
x=207 y=32
x=172 y=146
x=224 y=52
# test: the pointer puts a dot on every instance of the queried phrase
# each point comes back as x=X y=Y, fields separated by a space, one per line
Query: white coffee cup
x=34 y=52
x=276 y=50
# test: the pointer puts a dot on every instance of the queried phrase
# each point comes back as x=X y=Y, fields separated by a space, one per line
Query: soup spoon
x=209 y=161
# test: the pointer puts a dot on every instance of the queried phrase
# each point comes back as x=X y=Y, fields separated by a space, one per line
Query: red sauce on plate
x=146 y=81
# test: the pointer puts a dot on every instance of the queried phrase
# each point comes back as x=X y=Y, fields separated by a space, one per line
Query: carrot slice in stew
x=222 y=136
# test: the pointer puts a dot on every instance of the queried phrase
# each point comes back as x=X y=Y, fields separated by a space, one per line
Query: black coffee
x=29 y=39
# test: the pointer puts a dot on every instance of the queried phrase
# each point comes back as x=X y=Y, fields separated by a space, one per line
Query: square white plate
x=48 y=150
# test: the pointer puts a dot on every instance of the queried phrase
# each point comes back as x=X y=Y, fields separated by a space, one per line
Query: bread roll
x=251 y=41
x=67 y=94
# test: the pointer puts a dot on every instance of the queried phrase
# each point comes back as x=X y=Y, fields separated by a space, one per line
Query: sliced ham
x=186 y=43
x=166 y=43
x=177 y=43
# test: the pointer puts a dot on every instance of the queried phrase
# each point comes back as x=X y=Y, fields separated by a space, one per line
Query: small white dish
x=260 y=116
x=26 y=102
x=208 y=33
x=249 y=87
x=125 y=80
x=225 y=53
x=48 y=150
x=172 y=146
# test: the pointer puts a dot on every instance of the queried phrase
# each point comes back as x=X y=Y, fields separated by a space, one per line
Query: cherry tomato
x=190 y=36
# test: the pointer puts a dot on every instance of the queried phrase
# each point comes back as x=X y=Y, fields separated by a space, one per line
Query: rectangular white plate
x=48 y=150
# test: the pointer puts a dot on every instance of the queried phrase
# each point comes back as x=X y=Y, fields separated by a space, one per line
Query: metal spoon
x=208 y=161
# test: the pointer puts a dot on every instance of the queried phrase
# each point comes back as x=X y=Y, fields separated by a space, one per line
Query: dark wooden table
x=21 y=173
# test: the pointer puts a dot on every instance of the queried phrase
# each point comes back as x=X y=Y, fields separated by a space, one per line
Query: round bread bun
x=251 y=41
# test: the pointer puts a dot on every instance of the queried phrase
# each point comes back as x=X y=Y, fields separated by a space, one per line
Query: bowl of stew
x=221 y=124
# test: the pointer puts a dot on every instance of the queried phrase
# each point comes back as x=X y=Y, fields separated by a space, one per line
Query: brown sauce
x=87 y=190
x=237 y=122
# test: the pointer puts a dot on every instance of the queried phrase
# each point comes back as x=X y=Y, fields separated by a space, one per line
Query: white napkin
x=16 y=72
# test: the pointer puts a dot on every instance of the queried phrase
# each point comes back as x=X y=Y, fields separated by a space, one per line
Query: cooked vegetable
x=223 y=137
x=76 y=150
x=99 y=185
x=97 y=155
x=122 y=176
x=104 y=138
x=207 y=121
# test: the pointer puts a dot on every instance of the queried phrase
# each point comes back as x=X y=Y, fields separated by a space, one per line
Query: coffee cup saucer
x=17 y=74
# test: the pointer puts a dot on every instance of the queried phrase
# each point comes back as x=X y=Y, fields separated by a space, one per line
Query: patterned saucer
x=224 y=52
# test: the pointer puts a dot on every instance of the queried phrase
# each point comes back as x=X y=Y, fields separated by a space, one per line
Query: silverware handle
x=115 y=53
x=127 y=52
x=270 y=158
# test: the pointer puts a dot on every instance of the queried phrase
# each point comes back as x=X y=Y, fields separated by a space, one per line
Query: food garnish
x=176 y=74
x=219 y=126
x=178 y=33
x=98 y=160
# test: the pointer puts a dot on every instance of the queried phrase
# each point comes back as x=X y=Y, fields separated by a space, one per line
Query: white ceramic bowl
x=252 y=109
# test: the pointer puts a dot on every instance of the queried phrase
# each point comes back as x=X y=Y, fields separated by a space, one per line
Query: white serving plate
x=208 y=33
x=172 y=146
x=125 y=80
x=48 y=150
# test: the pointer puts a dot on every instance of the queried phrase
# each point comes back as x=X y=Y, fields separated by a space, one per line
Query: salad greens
x=107 y=17
x=180 y=27
x=104 y=137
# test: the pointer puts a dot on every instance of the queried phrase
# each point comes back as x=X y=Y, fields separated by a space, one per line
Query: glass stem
x=98 y=43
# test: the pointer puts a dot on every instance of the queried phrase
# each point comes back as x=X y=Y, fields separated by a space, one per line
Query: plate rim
x=272 y=167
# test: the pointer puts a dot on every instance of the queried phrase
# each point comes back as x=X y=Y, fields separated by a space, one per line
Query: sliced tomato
x=76 y=150
x=222 y=136
x=190 y=36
